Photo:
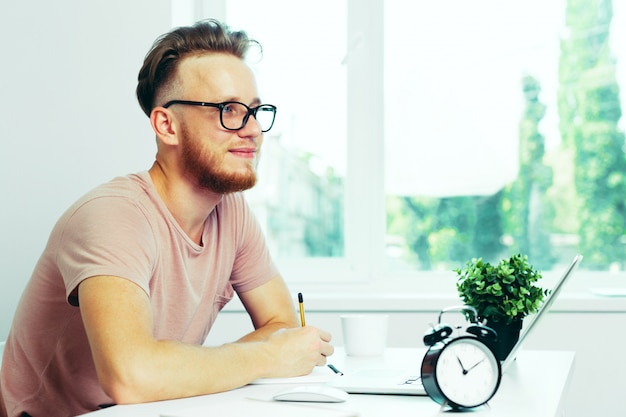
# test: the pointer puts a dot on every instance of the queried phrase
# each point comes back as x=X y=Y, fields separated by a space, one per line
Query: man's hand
x=297 y=351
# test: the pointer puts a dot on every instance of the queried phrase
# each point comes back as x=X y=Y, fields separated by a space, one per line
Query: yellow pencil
x=301 y=306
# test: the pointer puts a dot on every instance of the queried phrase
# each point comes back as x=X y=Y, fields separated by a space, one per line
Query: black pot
x=508 y=335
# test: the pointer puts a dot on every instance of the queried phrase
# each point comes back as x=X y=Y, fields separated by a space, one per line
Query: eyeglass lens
x=236 y=115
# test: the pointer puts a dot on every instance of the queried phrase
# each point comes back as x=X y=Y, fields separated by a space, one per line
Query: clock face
x=467 y=372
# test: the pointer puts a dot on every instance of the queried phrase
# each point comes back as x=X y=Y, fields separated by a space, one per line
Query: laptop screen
x=531 y=321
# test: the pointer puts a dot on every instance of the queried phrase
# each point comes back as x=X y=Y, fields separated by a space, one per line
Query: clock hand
x=475 y=365
x=462 y=367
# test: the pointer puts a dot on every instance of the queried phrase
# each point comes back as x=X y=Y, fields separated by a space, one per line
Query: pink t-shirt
x=123 y=229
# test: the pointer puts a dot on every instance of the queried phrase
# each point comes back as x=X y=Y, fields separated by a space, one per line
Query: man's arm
x=134 y=367
x=270 y=307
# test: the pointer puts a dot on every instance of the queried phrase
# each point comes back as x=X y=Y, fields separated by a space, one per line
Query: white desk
x=533 y=386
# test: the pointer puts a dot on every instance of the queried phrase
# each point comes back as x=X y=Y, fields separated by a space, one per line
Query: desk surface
x=533 y=386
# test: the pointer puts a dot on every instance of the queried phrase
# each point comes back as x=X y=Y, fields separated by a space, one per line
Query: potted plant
x=503 y=295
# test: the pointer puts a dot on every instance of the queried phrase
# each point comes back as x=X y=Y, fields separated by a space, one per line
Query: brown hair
x=162 y=60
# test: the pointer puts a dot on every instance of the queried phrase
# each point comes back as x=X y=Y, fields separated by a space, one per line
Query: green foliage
x=502 y=293
x=412 y=218
x=527 y=211
x=589 y=113
x=441 y=232
x=446 y=244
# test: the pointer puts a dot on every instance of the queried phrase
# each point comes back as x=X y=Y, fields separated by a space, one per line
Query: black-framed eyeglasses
x=234 y=115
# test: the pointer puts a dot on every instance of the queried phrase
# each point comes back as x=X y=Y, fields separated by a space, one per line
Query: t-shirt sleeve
x=253 y=264
x=106 y=236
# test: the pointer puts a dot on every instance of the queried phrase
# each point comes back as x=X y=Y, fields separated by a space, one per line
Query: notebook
x=401 y=382
x=381 y=381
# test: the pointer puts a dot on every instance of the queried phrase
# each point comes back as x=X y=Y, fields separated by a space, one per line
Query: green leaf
x=503 y=292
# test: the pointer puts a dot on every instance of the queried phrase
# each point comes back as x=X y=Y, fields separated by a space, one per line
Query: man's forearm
x=263 y=333
x=170 y=369
x=175 y=370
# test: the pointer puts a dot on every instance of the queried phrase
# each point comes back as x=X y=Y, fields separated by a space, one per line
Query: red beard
x=205 y=167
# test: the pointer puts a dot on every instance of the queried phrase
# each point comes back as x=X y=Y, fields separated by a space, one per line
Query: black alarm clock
x=460 y=370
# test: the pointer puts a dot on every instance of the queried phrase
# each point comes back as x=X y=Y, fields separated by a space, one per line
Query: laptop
x=401 y=382
x=530 y=322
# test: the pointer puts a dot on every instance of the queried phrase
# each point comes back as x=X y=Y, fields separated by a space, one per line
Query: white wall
x=69 y=119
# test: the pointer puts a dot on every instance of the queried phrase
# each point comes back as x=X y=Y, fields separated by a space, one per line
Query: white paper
x=320 y=374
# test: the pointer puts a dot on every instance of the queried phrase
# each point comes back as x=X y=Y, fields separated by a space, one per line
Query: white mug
x=365 y=334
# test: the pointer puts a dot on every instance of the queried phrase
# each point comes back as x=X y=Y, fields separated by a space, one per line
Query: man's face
x=217 y=159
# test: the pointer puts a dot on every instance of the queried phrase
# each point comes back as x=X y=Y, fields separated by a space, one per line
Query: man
x=135 y=272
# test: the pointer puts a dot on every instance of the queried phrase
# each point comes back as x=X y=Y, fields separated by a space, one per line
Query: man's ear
x=164 y=125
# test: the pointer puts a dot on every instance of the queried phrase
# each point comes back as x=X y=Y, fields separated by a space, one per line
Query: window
x=300 y=194
x=503 y=134
x=414 y=135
